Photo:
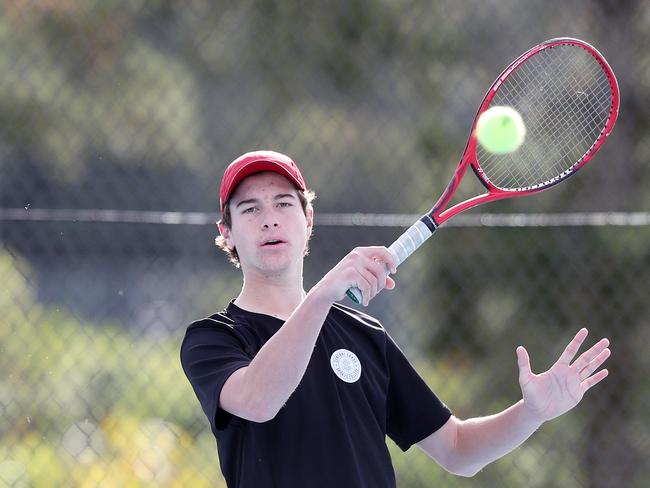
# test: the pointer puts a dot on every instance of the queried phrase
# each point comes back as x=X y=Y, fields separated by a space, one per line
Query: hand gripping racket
x=568 y=98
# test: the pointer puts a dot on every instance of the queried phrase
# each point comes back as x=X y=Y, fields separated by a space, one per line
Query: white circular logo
x=346 y=365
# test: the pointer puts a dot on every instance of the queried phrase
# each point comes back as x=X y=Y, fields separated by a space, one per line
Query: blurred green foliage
x=88 y=404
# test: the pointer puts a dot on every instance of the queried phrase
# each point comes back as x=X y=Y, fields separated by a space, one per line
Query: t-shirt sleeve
x=209 y=355
x=413 y=410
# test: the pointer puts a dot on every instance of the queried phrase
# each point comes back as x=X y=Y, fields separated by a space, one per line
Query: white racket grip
x=409 y=241
x=401 y=249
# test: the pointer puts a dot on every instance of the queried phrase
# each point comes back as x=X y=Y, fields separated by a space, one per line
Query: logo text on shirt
x=346 y=365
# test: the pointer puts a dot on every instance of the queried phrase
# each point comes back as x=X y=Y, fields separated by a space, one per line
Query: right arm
x=258 y=391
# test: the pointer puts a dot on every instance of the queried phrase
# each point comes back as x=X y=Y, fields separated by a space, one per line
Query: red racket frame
x=421 y=230
x=469 y=159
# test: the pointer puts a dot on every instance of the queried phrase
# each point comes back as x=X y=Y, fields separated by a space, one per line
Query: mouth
x=273 y=242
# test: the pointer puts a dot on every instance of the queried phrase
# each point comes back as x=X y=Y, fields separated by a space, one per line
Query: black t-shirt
x=358 y=388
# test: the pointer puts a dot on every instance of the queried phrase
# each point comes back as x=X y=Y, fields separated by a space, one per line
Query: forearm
x=258 y=391
x=264 y=386
x=482 y=440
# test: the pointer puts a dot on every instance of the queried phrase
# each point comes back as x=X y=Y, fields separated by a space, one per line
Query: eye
x=249 y=210
x=285 y=204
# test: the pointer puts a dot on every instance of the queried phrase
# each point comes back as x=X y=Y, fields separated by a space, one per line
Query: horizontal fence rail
x=572 y=219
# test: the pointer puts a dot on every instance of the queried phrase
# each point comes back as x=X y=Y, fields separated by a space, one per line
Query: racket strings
x=555 y=123
x=564 y=97
x=569 y=112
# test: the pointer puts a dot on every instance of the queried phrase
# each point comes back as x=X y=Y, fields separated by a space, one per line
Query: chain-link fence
x=116 y=122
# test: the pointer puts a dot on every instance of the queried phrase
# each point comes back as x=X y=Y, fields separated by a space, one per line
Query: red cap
x=254 y=162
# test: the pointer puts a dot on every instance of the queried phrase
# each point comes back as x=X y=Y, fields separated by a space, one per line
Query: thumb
x=524 y=365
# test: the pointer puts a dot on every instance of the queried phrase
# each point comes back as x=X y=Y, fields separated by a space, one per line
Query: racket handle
x=403 y=247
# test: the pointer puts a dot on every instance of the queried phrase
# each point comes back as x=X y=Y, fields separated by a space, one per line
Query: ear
x=226 y=234
x=310 y=220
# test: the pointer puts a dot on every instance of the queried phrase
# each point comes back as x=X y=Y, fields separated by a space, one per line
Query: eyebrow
x=279 y=196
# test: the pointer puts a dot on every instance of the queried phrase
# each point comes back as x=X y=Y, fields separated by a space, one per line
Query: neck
x=277 y=296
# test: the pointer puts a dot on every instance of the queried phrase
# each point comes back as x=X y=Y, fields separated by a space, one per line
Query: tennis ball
x=500 y=130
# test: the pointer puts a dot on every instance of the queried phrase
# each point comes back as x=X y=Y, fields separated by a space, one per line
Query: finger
x=370 y=285
x=386 y=257
x=390 y=283
x=391 y=265
x=379 y=271
x=588 y=356
x=362 y=282
x=572 y=348
x=384 y=272
x=523 y=361
x=383 y=255
x=594 y=379
x=593 y=365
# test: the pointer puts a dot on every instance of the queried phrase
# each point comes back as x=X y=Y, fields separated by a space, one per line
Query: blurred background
x=117 y=119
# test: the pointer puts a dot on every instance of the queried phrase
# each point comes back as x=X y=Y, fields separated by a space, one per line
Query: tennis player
x=300 y=391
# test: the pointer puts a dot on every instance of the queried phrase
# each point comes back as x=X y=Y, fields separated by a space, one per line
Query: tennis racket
x=568 y=98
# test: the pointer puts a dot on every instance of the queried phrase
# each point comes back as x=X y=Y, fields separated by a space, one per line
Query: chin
x=275 y=264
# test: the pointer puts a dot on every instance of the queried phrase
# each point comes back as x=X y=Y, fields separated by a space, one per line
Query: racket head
x=568 y=97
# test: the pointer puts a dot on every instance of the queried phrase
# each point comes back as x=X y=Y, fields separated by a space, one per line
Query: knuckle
x=354 y=254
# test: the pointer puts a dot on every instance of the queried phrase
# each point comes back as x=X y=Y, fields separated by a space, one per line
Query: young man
x=301 y=391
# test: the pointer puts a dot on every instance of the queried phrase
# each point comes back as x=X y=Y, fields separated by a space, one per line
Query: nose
x=270 y=219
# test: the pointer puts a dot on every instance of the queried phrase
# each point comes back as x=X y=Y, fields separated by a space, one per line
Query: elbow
x=468 y=472
x=458 y=460
x=249 y=407
x=242 y=398
x=465 y=471
x=260 y=412
x=460 y=468
x=261 y=416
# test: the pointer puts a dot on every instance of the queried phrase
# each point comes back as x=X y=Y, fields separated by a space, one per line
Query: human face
x=268 y=225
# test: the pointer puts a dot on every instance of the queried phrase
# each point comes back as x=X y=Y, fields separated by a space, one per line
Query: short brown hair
x=306 y=198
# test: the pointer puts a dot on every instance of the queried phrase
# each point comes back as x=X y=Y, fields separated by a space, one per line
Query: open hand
x=550 y=394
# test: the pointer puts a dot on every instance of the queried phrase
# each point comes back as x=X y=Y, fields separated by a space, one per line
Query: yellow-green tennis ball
x=500 y=130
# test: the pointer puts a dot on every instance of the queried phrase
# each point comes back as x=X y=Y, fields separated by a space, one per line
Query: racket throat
x=451 y=188
x=430 y=222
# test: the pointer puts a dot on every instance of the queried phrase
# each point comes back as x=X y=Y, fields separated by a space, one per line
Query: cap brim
x=259 y=166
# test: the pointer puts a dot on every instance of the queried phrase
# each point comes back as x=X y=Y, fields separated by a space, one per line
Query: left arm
x=465 y=446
